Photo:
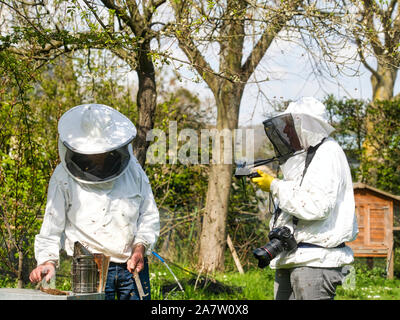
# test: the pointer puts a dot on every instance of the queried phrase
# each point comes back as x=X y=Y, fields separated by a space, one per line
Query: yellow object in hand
x=264 y=181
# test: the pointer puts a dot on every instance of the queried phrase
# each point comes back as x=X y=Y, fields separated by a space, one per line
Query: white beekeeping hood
x=310 y=120
x=91 y=132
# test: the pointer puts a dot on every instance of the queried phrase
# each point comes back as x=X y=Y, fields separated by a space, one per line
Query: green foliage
x=348 y=116
x=22 y=170
x=358 y=122
x=385 y=140
x=177 y=185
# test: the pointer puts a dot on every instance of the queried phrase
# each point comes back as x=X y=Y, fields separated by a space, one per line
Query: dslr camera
x=281 y=239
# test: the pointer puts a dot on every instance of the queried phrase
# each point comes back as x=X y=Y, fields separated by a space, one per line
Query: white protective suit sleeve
x=148 y=224
x=48 y=241
x=318 y=193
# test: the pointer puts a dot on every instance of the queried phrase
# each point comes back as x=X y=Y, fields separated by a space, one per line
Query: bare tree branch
x=266 y=39
x=187 y=44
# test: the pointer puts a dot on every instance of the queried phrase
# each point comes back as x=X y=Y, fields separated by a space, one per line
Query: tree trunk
x=146 y=102
x=383 y=83
x=213 y=232
x=20 y=268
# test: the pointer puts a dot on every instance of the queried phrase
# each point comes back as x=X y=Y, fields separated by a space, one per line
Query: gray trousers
x=307 y=283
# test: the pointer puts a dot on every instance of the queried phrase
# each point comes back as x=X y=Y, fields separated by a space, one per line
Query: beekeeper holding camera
x=314 y=201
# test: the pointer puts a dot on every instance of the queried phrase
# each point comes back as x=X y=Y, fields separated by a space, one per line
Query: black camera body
x=281 y=239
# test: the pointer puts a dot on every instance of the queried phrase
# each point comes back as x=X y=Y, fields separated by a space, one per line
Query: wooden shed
x=378 y=213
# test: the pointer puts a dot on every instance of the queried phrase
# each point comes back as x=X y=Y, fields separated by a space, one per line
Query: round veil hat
x=94 y=129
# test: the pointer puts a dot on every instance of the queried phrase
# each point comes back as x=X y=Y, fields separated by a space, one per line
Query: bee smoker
x=89 y=271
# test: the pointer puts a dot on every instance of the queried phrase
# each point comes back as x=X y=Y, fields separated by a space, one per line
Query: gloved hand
x=264 y=181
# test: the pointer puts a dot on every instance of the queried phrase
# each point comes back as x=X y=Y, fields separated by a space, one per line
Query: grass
x=371 y=284
x=254 y=284
x=257 y=284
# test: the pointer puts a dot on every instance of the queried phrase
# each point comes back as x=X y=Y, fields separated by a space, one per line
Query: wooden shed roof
x=360 y=185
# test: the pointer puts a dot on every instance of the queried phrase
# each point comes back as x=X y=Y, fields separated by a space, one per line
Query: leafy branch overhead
x=82 y=29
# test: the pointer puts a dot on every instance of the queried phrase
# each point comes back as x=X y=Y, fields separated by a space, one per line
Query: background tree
x=350 y=118
x=375 y=27
x=228 y=26
x=372 y=28
x=125 y=28
x=384 y=138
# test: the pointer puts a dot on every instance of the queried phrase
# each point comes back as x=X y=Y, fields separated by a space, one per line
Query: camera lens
x=262 y=256
x=265 y=254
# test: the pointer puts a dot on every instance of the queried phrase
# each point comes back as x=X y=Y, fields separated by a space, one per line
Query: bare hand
x=136 y=261
x=46 y=269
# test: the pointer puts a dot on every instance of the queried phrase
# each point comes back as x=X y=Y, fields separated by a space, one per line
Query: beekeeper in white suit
x=100 y=196
x=315 y=201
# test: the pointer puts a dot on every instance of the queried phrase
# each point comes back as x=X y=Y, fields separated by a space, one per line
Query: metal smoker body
x=89 y=271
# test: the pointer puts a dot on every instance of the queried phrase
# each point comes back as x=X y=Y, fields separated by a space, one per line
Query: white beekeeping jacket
x=323 y=202
x=108 y=208
x=108 y=218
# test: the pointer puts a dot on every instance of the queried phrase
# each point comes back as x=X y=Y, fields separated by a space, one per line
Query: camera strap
x=311 y=151
x=312 y=245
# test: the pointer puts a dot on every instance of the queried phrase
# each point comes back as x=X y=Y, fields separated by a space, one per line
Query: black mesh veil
x=281 y=132
x=99 y=167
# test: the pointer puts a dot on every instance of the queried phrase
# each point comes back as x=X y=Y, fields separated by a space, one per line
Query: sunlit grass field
x=254 y=284
x=257 y=284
